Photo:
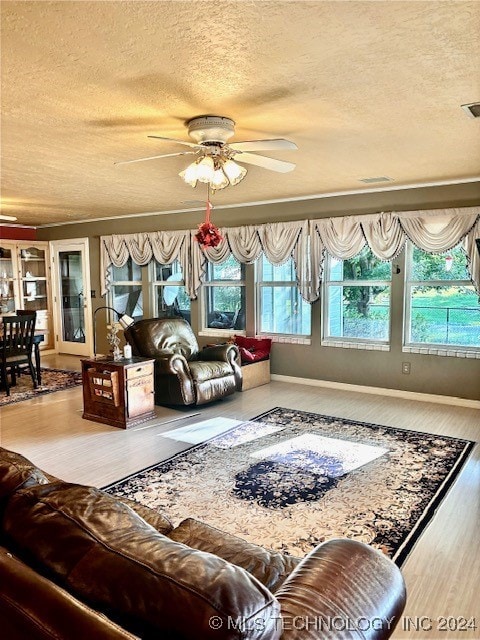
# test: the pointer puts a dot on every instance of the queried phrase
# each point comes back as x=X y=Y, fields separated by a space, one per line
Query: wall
x=13 y=232
x=429 y=374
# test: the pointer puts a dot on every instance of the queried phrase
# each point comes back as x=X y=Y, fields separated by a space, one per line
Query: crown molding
x=318 y=196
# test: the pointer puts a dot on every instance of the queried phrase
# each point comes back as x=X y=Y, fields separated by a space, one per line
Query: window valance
x=306 y=241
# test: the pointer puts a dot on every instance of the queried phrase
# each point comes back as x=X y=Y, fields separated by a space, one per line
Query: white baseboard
x=395 y=393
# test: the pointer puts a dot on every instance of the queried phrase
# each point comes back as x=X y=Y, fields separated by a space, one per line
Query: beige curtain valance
x=306 y=241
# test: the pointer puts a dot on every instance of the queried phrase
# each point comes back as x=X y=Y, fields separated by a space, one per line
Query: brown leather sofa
x=184 y=375
x=76 y=563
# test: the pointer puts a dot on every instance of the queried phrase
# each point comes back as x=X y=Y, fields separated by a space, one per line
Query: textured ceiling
x=365 y=89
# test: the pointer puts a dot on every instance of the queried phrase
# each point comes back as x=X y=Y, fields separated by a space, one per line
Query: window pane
x=129 y=271
x=128 y=299
x=225 y=307
x=164 y=272
x=365 y=266
x=447 y=315
x=284 y=311
x=278 y=273
x=228 y=270
x=359 y=312
x=450 y=266
x=172 y=300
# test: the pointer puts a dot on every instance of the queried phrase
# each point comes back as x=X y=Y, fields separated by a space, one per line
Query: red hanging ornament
x=208 y=234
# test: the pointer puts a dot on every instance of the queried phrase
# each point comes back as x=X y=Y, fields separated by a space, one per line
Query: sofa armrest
x=33 y=607
x=225 y=353
x=343 y=589
x=169 y=363
x=173 y=380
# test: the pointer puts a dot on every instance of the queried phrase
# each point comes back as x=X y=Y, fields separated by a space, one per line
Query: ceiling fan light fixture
x=214 y=163
x=190 y=174
x=205 y=169
x=219 y=180
x=234 y=172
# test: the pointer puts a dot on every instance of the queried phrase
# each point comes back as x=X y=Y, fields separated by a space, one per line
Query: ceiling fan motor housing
x=211 y=129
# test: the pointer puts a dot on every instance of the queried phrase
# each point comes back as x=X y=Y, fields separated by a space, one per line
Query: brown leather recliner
x=184 y=374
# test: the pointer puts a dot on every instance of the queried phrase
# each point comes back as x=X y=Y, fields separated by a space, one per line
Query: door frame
x=73 y=244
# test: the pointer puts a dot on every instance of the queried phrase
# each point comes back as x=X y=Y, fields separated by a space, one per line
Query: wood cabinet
x=25 y=282
x=119 y=393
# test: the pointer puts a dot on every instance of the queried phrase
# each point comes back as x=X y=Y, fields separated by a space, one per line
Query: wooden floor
x=443 y=571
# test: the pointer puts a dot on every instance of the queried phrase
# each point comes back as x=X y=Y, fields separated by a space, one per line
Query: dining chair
x=16 y=347
x=24 y=312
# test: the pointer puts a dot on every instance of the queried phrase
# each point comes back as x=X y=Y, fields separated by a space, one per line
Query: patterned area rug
x=52 y=380
x=288 y=480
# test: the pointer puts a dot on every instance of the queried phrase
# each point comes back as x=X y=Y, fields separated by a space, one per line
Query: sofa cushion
x=204 y=371
x=157 y=520
x=108 y=556
x=269 y=567
x=152 y=337
x=17 y=472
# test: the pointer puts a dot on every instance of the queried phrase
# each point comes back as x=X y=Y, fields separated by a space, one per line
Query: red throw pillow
x=261 y=354
x=264 y=344
x=255 y=344
x=242 y=342
x=245 y=355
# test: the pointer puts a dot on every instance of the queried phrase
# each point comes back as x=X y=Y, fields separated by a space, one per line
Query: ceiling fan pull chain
x=209 y=204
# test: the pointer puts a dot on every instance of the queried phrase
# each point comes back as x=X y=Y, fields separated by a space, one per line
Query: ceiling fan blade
x=266 y=163
x=184 y=142
x=263 y=145
x=165 y=155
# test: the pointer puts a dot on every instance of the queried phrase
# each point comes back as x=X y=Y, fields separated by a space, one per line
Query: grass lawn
x=447 y=317
x=448 y=298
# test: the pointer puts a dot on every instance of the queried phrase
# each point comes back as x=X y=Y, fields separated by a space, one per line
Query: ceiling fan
x=216 y=162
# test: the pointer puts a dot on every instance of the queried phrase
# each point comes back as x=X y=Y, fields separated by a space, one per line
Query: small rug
x=289 y=480
x=52 y=380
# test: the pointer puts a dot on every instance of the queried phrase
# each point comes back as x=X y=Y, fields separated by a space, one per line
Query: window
x=224 y=296
x=442 y=307
x=170 y=297
x=281 y=309
x=126 y=289
x=357 y=299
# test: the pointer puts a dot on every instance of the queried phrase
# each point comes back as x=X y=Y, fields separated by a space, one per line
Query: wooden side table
x=119 y=393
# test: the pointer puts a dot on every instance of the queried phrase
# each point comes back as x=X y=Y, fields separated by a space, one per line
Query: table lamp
x=124 y=321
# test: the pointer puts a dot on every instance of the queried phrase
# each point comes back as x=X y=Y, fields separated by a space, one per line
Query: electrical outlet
x=406 y=367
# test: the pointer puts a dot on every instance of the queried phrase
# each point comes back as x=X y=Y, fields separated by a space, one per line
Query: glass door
x=33 y=276
x=7 y=280
x=72 y=297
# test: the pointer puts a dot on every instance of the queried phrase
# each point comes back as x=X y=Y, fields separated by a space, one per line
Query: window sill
x=283 y=339
x=364 y=346
x=455 y=352
x=221 y=333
